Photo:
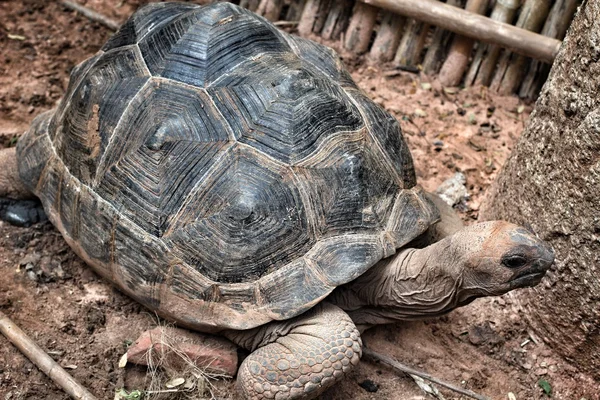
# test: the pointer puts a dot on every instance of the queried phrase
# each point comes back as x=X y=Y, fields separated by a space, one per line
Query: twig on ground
x=42 y=360
x=92 y=15
x=286 y=23
x=406 y=369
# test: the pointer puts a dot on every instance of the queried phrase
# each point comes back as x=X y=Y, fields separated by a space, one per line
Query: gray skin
x=447 y=267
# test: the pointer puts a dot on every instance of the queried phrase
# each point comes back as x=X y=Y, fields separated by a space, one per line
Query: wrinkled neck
x=414 y=284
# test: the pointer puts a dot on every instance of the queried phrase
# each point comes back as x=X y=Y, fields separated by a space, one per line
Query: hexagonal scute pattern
x=201 y=46
x=289 y=116
x=243 y=221
x=348 y=187
x=321 y=60
x=83 y=123
x=146 y=20
x=170 y=136
x=387 y=138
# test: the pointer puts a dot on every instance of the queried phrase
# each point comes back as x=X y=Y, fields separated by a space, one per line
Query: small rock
x=165 y=344
x=453 y=190
x=369 y=386
x=483 y=333
x=420 y=113
x=541 y=371
x=31 y=258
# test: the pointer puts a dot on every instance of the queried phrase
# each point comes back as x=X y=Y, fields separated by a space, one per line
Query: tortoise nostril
x=514 y=261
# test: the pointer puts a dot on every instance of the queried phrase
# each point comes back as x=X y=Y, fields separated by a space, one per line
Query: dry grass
x=168 y=380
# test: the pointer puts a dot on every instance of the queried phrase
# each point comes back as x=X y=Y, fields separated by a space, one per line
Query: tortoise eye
x=514 y=261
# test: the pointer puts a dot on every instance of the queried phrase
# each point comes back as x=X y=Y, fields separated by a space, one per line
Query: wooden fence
x=507 y=45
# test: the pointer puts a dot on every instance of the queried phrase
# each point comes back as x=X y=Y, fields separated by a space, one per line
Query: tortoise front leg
x=18 y=205
x=298 y=358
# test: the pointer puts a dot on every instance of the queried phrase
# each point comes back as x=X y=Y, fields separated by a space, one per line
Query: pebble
x=369 y=386
x=453 y=189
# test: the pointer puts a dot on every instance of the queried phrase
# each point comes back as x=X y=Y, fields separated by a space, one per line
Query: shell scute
x=85 y=122
x=243 y=221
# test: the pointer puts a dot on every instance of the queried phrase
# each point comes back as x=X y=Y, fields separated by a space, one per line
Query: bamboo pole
x=337 y=19
x=412 y=43
x=313 y=17
x=42 y=360
x=458 y=57
x=512 y=67
x=438 y=48
x=388 y=37
x=270 y=9
x=476 y=26
x=251 y=5
x=294 y=11
x=556 y=27
x=484 y=62
x=360 y=29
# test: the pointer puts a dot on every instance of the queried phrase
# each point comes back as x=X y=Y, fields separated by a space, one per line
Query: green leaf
x=545 y=386
x=133 y=395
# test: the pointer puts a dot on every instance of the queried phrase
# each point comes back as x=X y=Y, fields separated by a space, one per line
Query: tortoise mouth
x=527 y=280
x=533 y=275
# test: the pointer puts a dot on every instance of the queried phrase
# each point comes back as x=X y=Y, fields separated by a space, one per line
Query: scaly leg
x=298 y=358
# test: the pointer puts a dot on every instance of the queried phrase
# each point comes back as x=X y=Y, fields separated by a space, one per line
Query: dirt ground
x=86 y=325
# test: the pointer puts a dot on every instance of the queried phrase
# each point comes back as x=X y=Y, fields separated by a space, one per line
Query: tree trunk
x=552 y=182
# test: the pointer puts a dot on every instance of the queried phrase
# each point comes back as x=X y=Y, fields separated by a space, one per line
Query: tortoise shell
x=220 y=171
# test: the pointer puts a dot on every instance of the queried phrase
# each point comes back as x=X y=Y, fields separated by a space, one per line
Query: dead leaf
x=173 y=383
x=123 y=361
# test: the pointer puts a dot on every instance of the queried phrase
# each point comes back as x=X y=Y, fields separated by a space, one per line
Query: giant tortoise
x=234 y=179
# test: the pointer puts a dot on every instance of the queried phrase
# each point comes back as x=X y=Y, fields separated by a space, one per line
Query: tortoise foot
x=22 y=212
x=299 y=358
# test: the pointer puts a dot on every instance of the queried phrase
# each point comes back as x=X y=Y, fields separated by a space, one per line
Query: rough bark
x=552 y=182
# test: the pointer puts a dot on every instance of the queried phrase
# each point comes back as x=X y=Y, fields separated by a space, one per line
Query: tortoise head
x=497 y=257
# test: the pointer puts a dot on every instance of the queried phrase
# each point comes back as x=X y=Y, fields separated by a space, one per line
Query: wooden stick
x=270 y=9
x=412 y=43
x=511 y=67
x=337 y=19
x=456 y=63
x=408 y=370
x=42 y=360
x=556 y=26
x=313 y=17
x=295 y=10
x=388 y=37
x=438 y=48
x=360 y=29
x=485 y=59
x=475 y=26
x=251 y=5
x=92 y=15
